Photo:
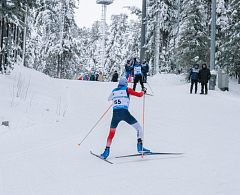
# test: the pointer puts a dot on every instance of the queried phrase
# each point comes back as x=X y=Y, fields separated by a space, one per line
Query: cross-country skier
x=120 y=100
x=137 y=74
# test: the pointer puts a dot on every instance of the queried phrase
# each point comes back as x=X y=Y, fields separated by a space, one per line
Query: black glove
x=144 y=90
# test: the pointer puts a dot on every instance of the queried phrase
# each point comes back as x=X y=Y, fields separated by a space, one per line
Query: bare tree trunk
x=61 y=73
x=164 y=37
x=1 y=53
x=14 y=40
x=6 y=46
x=58 y=66
x=24 y=37
x=238 y=77
x=157 y=41
x=16 y=43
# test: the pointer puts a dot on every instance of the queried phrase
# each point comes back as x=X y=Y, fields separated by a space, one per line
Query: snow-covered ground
x=49 y=117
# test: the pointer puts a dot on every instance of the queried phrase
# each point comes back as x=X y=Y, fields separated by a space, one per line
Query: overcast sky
x=89 y=11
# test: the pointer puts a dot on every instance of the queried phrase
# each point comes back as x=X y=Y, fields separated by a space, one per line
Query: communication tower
x=104 y=4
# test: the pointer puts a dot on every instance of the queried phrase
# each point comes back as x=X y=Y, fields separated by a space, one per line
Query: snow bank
x=49 y=117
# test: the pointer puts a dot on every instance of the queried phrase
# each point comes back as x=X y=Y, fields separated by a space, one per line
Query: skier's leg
x=191 y=87
x=196 y=85
x=141 y=82
x=135 y=124
x=202 y=86
x=110 y=136
x=139 y=130
x=115 y=121
x=206 y=88
x=145 y=77
x=135 y=82
x=127 y=75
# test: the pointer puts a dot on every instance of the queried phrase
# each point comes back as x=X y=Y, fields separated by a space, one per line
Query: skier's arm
x=132 y=92
x=110 y=97
x=190 y=75
x=209 y=74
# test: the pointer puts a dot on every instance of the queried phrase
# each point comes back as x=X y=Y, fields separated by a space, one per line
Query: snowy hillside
x=49 y=117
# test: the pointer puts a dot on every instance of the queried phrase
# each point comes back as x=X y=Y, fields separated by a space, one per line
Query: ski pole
x=148 y=84
x=94 y=126
x=143 y=120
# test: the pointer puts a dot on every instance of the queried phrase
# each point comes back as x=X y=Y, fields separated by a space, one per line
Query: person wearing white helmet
x=120 y=98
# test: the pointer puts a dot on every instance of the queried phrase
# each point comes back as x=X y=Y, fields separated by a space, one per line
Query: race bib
x=137 y=70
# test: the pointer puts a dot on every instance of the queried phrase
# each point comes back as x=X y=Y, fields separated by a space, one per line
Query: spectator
x=115 y=77
x=85 y=78
x=92 y=78
x=97 y=75
x=128 y=69
x=101 y=77
x=204 y=76
x=145 y=70
x=194 y=74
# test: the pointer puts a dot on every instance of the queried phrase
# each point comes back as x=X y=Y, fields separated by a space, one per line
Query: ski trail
x=1 y=182
x=40 y=148
x=26 y=168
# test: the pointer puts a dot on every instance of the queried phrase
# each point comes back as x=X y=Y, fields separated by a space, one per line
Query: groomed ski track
x=40 y=153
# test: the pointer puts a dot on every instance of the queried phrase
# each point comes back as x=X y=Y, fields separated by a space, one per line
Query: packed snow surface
x=49 y=117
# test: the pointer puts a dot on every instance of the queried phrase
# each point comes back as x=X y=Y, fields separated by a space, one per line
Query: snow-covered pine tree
x=134 y=41
x=167 y=23
x=54 y=39
x=222 y=22
x=117 y=45
x=194 y=43
x=231 y=55
x=94 y=47
x=13 y=15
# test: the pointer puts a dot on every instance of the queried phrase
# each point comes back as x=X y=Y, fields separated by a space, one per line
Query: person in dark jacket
x=115 y=77
x=128 y=69
x=92 y=78
x=204 y=76
x=97 y=75
x=194 y=77
x=145 y=70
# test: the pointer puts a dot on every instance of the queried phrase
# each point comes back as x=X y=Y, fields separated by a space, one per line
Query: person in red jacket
x=120 y=100
x=85 y=78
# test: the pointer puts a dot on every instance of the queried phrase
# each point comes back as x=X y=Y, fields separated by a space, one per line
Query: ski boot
x=140 y=147
x=105 y=154
x=144 y=89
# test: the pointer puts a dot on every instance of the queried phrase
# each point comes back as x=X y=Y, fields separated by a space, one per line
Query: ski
x=149 y=153
x=100 y=157
x=148 y=94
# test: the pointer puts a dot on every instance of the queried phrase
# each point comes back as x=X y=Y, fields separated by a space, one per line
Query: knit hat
x=196 y=65
x=123 y=82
